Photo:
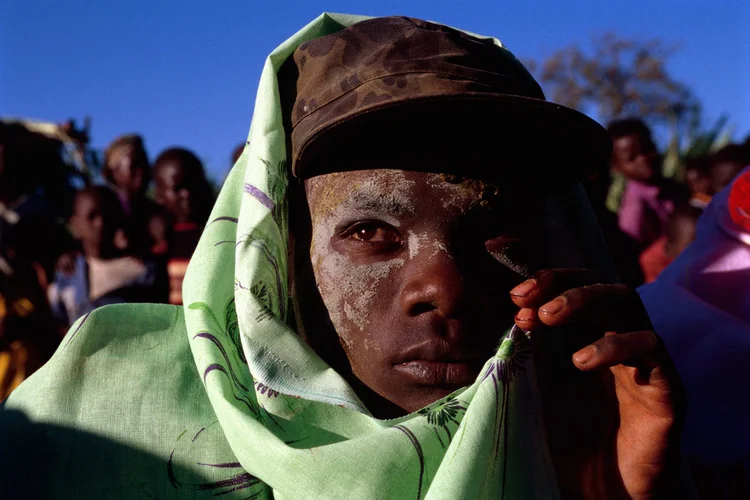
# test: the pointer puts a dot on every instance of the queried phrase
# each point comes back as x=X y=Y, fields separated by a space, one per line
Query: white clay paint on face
x=415 y=242
x=348 y=288
x=454 y=196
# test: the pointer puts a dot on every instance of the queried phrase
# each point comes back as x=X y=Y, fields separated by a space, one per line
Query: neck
x=378 y=406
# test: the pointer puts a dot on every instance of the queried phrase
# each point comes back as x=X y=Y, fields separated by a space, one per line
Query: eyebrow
x=386 y=204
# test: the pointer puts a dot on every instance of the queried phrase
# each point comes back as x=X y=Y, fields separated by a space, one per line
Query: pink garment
x=643 y=213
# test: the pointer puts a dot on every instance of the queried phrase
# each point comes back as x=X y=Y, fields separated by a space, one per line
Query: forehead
x=395 y=192
x=169 y=169
x=627 y=142
x=122 y=153
x=86 y=202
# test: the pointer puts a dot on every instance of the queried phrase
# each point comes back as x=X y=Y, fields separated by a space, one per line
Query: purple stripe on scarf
x=260 y=196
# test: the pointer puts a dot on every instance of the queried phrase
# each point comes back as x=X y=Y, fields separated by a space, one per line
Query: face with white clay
x=415 y=271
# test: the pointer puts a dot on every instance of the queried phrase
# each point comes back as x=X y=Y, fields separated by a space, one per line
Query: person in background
x=104 y=273
x=28 y=218
x=698 y=179
x=127 y=170
x=679 y=234
x=623 y=248
x=726 y=164
x=30 y=241
x=648 y=197
x=28 y=336
x=186 y=195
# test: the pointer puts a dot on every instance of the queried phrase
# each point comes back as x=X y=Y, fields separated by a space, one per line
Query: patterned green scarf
x=290 y=419
x=123 y=408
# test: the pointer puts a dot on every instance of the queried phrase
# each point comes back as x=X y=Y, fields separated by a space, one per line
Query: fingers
x=598 y=307
x=642 y=350
x=576 y=297
x=544 y=287
x=548 y=284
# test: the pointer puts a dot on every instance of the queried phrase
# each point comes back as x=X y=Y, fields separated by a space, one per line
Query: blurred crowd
x=69 y=247
x=647 y=218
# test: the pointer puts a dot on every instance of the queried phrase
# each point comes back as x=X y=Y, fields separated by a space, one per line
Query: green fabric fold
x=259 y=414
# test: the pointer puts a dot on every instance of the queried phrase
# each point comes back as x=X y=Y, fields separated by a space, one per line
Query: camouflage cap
x=417 y=87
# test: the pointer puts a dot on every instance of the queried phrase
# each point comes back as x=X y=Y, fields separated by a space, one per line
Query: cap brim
x=495 y=137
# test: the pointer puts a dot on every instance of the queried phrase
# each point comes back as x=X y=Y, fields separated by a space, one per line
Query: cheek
x=355 y=295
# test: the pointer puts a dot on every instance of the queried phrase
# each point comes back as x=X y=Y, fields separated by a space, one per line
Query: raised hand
x=612 y=424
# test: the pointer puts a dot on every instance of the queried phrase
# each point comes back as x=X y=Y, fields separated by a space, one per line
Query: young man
x=648 y=197
x=698 y=179
x=102 y=274
x=128 y=172
x=185 y=194
x=388 y=225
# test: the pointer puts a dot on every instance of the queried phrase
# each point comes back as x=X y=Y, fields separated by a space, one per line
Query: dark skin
x=94 y=223
x=681 y=234
x=176 y=190
x=127 y=175
x=723 y=173
x=698 y=182
x=415 y=274
x=635 y=158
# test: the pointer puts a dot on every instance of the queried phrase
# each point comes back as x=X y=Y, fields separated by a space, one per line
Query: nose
x=433 y=285
x=184 y=194
x=97 y=223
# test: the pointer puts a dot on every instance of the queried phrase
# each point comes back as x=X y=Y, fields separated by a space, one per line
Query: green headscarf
x=120 y=411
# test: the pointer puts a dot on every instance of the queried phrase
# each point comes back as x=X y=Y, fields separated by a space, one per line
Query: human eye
x=372 y=234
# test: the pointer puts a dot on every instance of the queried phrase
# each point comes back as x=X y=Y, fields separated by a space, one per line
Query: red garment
x=739 y=201
x=184 y=239
x=654 y=259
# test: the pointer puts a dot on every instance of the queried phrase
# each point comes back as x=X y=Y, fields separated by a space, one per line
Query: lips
x=438 y=363
x=436 y=373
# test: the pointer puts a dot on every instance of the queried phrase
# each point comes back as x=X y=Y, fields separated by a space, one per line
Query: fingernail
x=524 y=288
x=524 y=315
x=554 y=307
x=584 y=355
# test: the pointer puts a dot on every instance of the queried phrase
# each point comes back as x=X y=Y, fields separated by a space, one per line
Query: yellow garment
x=14 y=367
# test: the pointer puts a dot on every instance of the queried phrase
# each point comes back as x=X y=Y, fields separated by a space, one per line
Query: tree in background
x=619 y=77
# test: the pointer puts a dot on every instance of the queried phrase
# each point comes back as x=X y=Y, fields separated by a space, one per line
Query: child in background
x=648 y=197
x=680 y=232
x=622 y=248
x=127 y=170
x=183 y=190
x=726 y=164
x=103 y=274
x=698 y=178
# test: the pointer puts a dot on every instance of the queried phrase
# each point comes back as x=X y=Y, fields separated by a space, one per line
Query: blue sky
x=186 y=72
